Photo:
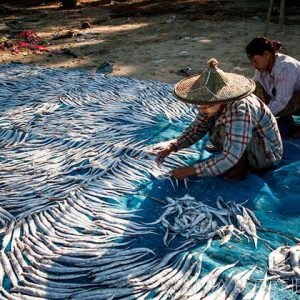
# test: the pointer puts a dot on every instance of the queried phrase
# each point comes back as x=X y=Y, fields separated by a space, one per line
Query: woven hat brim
x=238 y=88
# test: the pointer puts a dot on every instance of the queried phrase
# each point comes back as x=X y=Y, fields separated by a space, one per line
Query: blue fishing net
x=57 y=115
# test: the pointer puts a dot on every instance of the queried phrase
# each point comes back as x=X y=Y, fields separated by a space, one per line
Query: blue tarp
x=62 y=110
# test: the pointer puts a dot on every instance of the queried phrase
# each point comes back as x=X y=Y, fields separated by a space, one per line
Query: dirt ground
x=147 y=39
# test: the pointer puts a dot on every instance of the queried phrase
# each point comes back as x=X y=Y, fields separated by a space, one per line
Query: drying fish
x=75 y=154
x=284 y=264
x=196 y=221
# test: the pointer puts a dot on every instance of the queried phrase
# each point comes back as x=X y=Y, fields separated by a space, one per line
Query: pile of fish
x=196 y=221
x=284 y=263
x=74 y=153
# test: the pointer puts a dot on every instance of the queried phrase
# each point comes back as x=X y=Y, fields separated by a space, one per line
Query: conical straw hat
x=213 y=86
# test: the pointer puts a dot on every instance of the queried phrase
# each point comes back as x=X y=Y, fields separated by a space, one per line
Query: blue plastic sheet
x=274 y=196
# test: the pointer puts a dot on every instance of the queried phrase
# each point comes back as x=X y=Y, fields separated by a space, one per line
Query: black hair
x=261 y=44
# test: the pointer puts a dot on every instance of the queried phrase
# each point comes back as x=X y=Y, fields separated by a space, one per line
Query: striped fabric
x=245 y=121
x=281 y=83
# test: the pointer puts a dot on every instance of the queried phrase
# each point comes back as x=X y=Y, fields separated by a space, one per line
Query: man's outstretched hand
x=165 y=150
x=183 y=172
x=161 y=155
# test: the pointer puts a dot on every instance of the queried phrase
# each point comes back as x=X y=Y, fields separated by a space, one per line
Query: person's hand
x=161 y=146
x=183 y=172
x=161 y=155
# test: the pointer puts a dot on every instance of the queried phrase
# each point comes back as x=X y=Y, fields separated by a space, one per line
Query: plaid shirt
x=243 y=119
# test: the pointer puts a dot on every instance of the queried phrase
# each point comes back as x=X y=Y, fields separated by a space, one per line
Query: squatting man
x=242 y=131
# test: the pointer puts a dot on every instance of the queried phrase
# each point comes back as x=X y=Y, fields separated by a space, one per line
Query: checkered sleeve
x=238 y=132
x=194 y=132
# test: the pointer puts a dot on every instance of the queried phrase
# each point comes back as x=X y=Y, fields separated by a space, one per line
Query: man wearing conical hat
x=241 y=128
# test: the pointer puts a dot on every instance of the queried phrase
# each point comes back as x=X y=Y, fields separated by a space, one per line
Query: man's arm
x=193 y=133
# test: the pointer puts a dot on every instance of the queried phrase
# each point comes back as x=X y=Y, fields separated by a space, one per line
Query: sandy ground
x=148 y=39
